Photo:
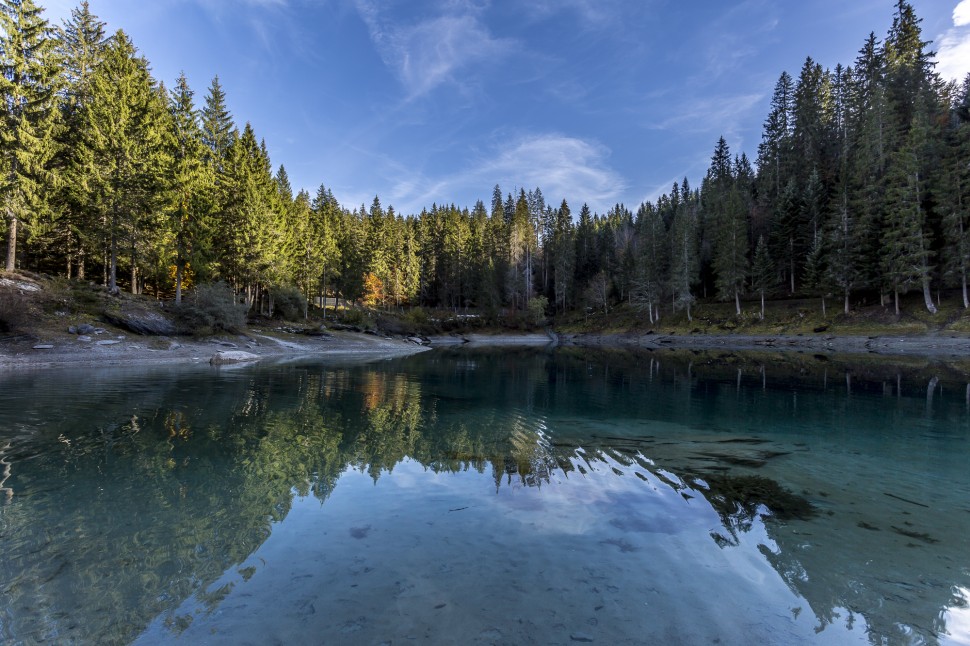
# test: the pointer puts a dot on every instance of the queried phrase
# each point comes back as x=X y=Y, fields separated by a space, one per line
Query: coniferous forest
x=860 y=189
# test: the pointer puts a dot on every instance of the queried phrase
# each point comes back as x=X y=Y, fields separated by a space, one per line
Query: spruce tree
x=955 y=201
x=684 y=258
x=191 y=185
x=121 y=152
x=731 y=248
x=81 y=49
x=564 y=255
x=905 y=258
x=28 y=78
x=763 y=276
x=652 y=260
x=218 y=131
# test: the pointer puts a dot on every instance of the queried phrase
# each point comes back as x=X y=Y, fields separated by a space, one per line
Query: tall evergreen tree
x=81 y=49
x=652 y=260
x=684 y=258
x=192 y=183
x=122 y=153
x=763 y=276
x=28 y=77
x=218 y=131
x=905 y=244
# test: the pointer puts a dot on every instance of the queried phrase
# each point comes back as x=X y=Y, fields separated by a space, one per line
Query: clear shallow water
x=487 y=497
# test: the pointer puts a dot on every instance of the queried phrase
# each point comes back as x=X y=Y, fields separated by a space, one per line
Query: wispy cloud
x=564 y=167
x=433 y=51
x=592 y=13
x=953 y=55
x=720 y=114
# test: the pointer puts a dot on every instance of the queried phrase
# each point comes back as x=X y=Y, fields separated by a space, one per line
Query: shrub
x=288 y=302
x=537 y=309
x=14 y=314
x=417 y=317
x=212 y=307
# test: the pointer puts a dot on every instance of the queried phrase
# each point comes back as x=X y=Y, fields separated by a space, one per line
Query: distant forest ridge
x=861 y=186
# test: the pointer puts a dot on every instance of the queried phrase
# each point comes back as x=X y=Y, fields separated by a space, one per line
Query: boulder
x=141 y=321
x=232 y=356
x=85 y=328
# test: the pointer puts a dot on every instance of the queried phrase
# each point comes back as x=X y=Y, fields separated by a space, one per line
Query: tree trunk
x=178 y=283
x=896 y=294
x=11 y=241
x=791 y=262
x=762 y=306
x=847 y=302
x=928 y=297
x=113 y=266
x=963 y=285
x=737 y=302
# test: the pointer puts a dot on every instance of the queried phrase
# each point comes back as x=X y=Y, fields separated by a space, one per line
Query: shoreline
x=931 y=346
x=129 y=349
x=133 y=350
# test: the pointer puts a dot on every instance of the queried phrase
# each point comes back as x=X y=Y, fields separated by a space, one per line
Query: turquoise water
x=488 y=497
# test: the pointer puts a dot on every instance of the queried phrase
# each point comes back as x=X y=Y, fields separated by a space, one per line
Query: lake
x=489 y=497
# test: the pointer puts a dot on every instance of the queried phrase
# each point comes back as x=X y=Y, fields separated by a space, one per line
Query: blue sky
x=422 y=101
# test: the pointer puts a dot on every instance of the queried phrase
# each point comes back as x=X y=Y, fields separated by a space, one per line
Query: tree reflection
x=131 y=502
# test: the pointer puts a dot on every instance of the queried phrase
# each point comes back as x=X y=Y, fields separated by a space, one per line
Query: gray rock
x=85 y=338
x=85 y=328
x=108 y=342
x=72 y=330
x=43 y=346
x=141 y=321
x=232 y=356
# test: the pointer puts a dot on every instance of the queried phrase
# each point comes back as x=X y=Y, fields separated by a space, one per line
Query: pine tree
x=81 y=49
x=28 y=77
x=774 y=152
x=730 y=255
x=763 y=276
x=651 y=270
x=191 y=184
x=218 y=131
x=956 y=196
x=564 y=255
x=121 y=152
x=326 y=227
x=906 y=248
x=684 y=257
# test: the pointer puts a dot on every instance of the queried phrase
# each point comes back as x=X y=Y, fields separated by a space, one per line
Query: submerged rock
x=233 y=356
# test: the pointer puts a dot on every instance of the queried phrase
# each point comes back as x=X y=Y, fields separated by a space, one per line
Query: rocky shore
x=100 y=347
x=940 y=346
x=115 y=348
